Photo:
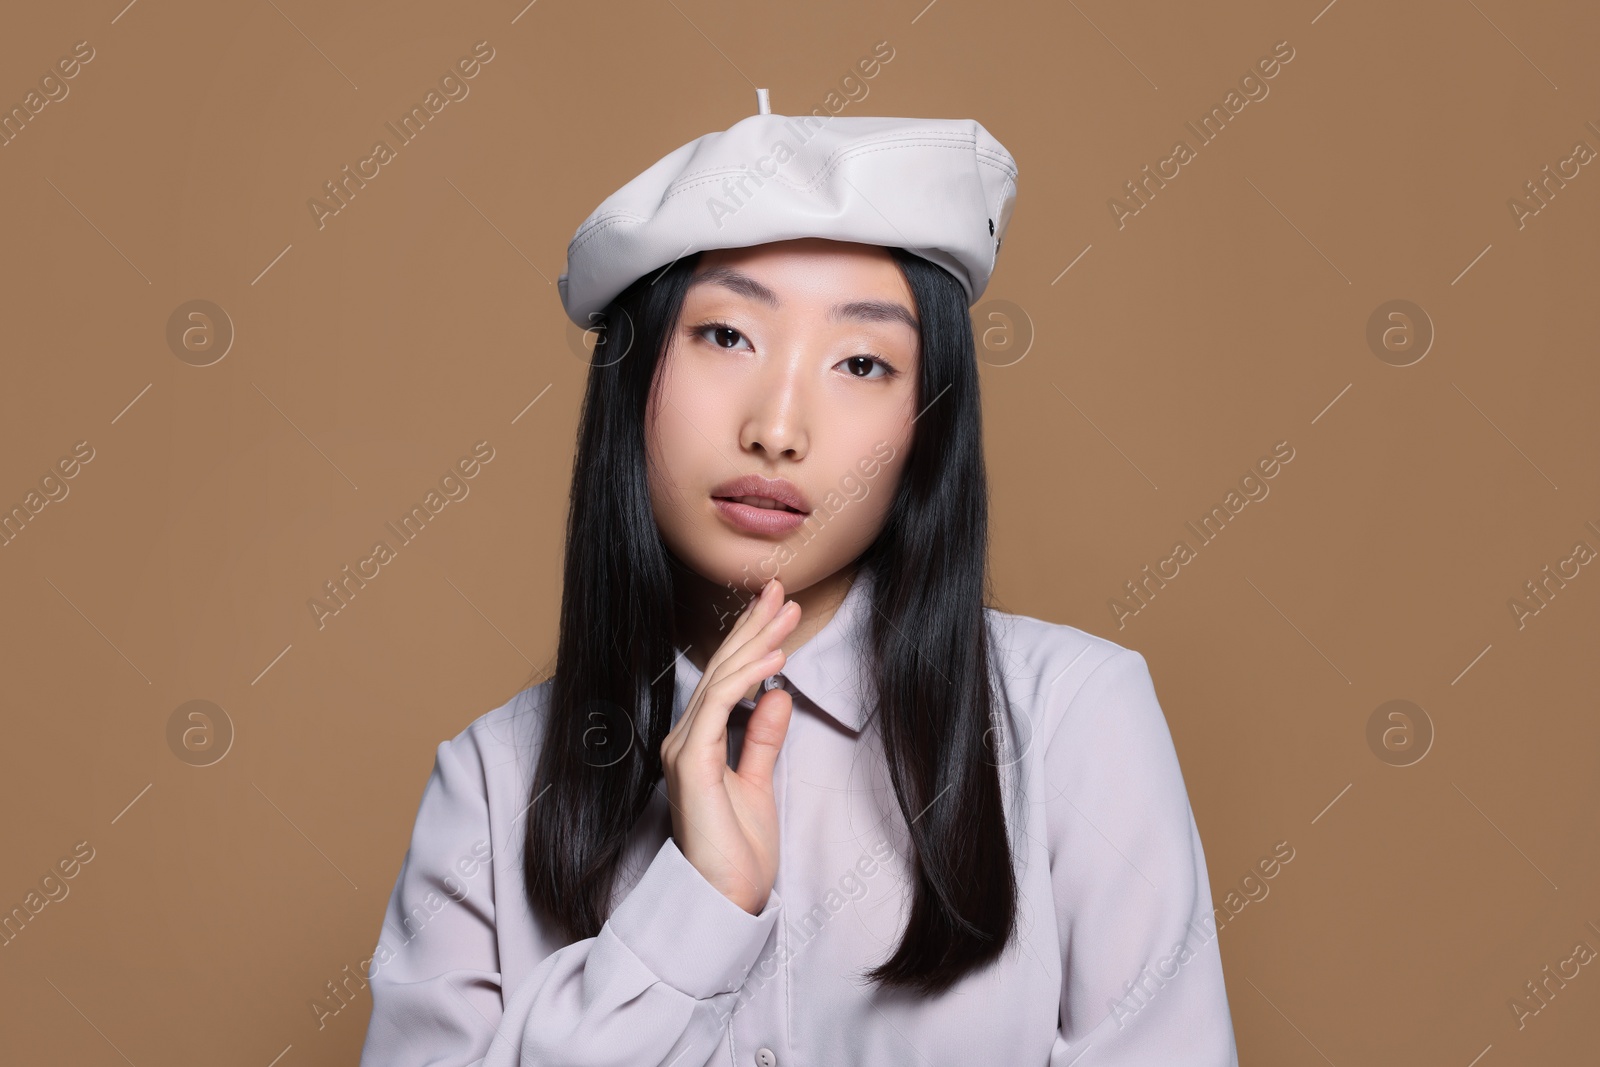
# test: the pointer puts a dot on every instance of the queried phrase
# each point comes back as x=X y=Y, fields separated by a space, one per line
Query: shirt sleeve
x=654 y=986
x=1142 y=974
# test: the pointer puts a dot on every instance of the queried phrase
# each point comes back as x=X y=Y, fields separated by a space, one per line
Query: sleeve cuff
x=686 y=932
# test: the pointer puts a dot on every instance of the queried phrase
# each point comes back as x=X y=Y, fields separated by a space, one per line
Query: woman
x=877 y=822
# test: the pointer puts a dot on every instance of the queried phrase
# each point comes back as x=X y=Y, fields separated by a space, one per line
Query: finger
x=755 y=614
x=733 y=658
x=710 y=727
x=763 y=737
x=769 y=636
x=747 y=614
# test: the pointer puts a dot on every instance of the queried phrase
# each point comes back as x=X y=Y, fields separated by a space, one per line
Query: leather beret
x=942 y=189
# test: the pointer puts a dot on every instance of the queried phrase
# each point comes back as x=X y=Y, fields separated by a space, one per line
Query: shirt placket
x=755 y=1038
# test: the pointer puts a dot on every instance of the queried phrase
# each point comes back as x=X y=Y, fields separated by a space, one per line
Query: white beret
x=940 y=188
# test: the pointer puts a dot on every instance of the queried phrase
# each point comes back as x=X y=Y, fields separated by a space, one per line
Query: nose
x=776 y=420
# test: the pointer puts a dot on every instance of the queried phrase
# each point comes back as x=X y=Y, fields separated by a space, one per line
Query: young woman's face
x=794 y=361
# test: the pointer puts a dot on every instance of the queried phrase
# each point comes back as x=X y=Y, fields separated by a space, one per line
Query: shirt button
x=768 y=684
x=765 y=1058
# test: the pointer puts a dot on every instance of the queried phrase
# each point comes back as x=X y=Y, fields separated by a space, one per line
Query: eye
x=861 y=367
x=720 y=333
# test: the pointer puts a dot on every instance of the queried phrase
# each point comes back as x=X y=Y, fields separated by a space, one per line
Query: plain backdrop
x=1340 y=271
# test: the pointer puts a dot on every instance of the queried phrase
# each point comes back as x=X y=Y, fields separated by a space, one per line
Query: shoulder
x=1054 y=670
x=497 y=748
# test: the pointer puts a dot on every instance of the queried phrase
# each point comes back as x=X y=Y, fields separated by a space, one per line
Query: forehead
x=808 y=265
x=844 y=280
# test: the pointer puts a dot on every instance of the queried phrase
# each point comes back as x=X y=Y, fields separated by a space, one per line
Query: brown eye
x=862 y=367
x=721 y=334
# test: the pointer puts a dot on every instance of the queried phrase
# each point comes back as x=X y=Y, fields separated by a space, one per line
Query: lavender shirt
x=1116 y=963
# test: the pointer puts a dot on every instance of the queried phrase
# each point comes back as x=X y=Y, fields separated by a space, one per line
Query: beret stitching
x=599 y=223
x=726 y=169
x=833 y=164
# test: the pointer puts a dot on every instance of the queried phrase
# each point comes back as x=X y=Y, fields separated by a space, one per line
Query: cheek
x=863 y=483
x=676 y=439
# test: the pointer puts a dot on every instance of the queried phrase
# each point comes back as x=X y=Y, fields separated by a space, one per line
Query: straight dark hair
x=611 y=701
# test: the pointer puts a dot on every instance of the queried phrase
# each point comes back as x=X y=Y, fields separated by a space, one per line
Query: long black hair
x=611 y=700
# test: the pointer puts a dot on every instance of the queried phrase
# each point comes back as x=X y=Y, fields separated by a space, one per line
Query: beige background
x=1229 y=314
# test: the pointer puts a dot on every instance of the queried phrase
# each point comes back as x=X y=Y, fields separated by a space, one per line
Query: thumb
x=764 y=732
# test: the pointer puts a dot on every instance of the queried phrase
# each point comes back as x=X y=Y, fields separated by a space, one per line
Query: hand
x=725 y=822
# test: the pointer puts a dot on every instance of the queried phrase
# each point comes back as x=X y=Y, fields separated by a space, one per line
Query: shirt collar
x=824 y=671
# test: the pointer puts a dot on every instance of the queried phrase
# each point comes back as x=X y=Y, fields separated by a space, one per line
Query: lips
x=773 y=494
x=763 y=502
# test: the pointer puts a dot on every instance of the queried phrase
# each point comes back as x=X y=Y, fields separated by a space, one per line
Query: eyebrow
x=854 y=311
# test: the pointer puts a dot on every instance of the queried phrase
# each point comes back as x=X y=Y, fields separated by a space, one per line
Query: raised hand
x=725 y=822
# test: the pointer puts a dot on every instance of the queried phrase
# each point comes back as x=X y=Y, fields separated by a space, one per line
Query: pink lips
x=762 y=520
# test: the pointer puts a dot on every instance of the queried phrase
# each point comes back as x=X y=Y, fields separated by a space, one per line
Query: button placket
x=765 y=1057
